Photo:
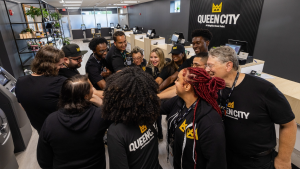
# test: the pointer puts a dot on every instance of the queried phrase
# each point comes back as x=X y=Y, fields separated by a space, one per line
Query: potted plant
x=55 y=15
x=56 y=25
x=45 y=14
x=66 y=41
x=27 y=30
x=35 y=13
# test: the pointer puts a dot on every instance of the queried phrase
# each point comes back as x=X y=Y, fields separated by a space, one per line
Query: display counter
x=147 y=45
x=132 y=37
x=127 y=33
x=256 y=65
x=291 y=91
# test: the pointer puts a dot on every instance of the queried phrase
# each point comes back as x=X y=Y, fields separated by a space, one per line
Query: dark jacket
x=210 y=136
x=116 y=61
x=73 y=141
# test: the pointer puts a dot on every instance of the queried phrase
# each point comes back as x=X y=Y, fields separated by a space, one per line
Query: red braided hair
x=206 y=88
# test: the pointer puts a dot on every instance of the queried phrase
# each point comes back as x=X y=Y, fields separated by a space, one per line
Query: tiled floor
x=27 y=159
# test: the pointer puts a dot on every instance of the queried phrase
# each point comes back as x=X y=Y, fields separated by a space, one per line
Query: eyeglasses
x=198 y=65
x=78 y=59
x=138 y=58
x=103 y=51
x=209 y=66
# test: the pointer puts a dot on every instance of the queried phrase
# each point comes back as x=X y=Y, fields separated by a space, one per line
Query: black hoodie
x=210 y=137
x=73 y=141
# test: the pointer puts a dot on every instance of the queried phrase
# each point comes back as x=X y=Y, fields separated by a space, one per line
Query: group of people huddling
x=217 y=118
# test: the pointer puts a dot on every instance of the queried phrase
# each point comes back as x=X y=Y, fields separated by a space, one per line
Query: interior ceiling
x=93 y=3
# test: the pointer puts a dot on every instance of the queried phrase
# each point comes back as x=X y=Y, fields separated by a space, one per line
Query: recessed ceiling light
x=62 y=1
x=71 y=4
x=130 y=2
x=73 y=7
x=121 y=4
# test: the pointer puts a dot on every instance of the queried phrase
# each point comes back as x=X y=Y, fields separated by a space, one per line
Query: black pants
x=235 y=161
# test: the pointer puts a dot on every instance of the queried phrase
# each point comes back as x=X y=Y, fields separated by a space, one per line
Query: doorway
x=67 y=33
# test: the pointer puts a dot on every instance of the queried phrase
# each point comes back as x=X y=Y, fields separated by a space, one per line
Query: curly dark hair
x=118 y=33
x=45 y=61
x=204 y=33
x=72 y=94
x=95 y=42
x=130 y=97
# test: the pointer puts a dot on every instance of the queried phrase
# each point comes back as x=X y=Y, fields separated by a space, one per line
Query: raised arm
x=168 y=81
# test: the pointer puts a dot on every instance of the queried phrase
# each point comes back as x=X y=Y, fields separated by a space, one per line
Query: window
x=92 y=16
x=76 y=21
x=100 y=14
x=175 y=6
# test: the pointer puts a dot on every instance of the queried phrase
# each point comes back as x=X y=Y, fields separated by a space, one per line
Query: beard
x=99 y=56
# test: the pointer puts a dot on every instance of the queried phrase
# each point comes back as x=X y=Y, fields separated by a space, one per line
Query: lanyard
x=179 y=118
x=123 y=55
x=223 y=108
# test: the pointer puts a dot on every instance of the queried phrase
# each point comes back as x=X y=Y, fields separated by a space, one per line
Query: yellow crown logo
x=143 y=128
x=231 y=105
x=216 y=8
x=175 y=47
x=183 y=126
x=190 y=133
x=78 y=49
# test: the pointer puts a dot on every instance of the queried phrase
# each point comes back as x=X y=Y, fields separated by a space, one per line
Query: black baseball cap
x=177 y=49
x=73 y=50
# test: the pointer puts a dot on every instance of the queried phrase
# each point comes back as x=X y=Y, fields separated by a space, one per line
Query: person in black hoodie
x=195 y=109
x=131 y=102
x=72 y=137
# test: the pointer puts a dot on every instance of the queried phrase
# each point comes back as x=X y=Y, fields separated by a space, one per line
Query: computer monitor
x=112 y=25
x=83 y=27
x=135 y=29
x=243 y=44
x=175 y=38
x=237 y=48
x=99 y=25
